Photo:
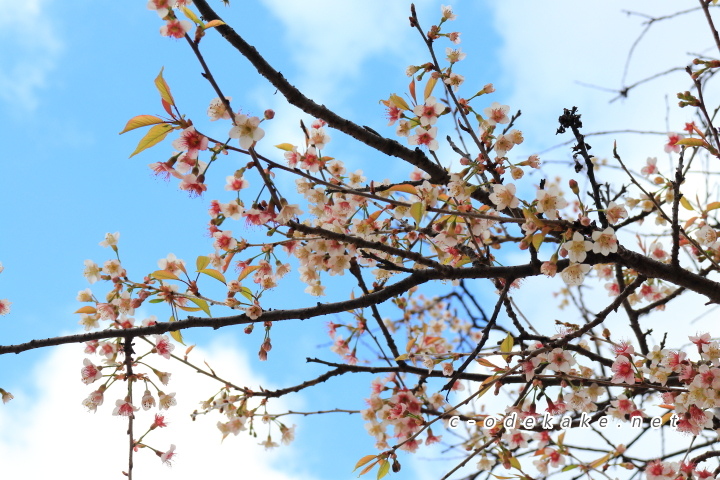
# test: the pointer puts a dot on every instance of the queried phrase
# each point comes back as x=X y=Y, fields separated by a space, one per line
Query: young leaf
x=202 y=304
x=213 y=273
x=686 y=203
x=429 y=86
x=141 y=121
x=245 y=292
x=202 y=262
x=164 y=275
x=214 y=23
x=247 y=271
x=285 y=146
x=412 y=90
x=155 y=135
x=384 y=469
x=191 y=16
x=175 y=334
x=86 y=309
x=417 y=210
x=163 y=88
x=403 y=188
x=399 y=102
x=507 y=344
x=364 y=460
x=188 y=309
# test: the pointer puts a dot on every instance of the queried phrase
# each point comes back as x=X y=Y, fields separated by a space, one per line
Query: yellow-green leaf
x=515 y=463
x=368 y=468
x=155 y=135
x=87 y=309
x=214 y=23
x=191 y=15
x=141 y=121
x=538 y=239
x=569 y=467
x=600 y=461
x=686 y=203
x=384 y=469
x=364 y=460
x=288 y=147
x=507 y=344
x=417 y=210
x=213 y=273
x=202 y=304
x=188 y=309
x=245 y=292
x=692 y=142
x=403 y=188
x=404 y=356
x=247 y=271
x=429 y=86
x=163 y=88
x=175 y=334
x=202 y=262
x=164 y=275
x=399 y=102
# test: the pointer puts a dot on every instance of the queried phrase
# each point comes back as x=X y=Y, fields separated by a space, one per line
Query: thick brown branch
x=295 y=97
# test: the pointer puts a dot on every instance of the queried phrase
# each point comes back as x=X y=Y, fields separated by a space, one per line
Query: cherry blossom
x=447 y=12
x=429 y=112
x=578 y=247
x=163 y=346
x=5 y=306
x=124 y=408
x=615 y=212
x=175 y=28
x=550 y=201
x=671 y=145
x=496 y=113
x=90 y=372
x=650 y=166
x=605 y=241
x=217 y=109
x=169 y=455
x=503 y=196
x=574 y=274
x=424 y=137
x=191 y=141
x=246 y=129
x=623 y=370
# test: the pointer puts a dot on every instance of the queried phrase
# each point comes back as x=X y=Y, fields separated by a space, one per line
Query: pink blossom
x=575 y=273
x=615 y=212
x=124 y=408
x=496 y=113
x=623 y=370
x=191 y=141
x=671 y=145
x=605 y=241
x=163 y=346
x=424 y=137
x=90 y=372
x=168 y=456
x=650 y=166
x=175 y=28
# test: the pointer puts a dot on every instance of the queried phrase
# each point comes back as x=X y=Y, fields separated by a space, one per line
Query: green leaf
x=417 y=210
x=245 y=292
x=191 y=15
x=164 y=275
x=141 y=121
x=202 y=304
x=384 y=469
x=507 y=344
x=163 y=88
x=202 y=262
x=175 y=334
x=154 y=136
x=213 y=273
x=568 y=467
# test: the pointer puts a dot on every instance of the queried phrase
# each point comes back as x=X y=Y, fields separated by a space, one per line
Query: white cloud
x=46 y=430
x=30 y=51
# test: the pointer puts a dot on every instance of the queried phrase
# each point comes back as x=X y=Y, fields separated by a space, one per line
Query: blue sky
x=74 y=72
